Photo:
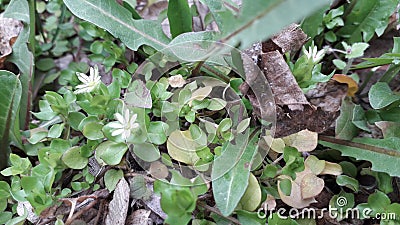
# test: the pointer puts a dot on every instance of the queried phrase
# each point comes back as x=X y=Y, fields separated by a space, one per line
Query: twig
x=80 y=212
x=216 y=211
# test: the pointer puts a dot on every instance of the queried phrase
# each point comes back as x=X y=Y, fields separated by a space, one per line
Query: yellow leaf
x=251 y=199
x=182 y=147
x=303 y=141
x=344 y=79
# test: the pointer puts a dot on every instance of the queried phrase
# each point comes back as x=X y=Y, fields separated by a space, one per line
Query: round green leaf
x=112 y=177
x=110 y=153
x=146 y=151
x=92 y=131
x=73 y=158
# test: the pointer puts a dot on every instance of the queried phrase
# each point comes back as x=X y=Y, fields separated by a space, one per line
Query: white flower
x=124 y=125
x=314 y=54
x=90 y=82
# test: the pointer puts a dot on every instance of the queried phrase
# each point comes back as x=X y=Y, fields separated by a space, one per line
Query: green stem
x=60 y=20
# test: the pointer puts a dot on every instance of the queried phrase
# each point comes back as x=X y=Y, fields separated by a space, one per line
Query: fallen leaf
x=176 y=81
x=139 y=217
x=314 y=164
x=351 y=83
x=295 y=198
x=290 y=39
x=303 y=141
x=9 y=31
x=311 y=185
x=158 y=170
x=118 y=208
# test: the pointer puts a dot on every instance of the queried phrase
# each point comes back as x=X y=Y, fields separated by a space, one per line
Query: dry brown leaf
x=118 y=208
x=139 y=217
x=295 y=198
x=290 y=39
x=311 y=185
x=303 y=141
x=9 y=31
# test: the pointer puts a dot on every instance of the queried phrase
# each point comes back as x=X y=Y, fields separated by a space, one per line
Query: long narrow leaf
x=10 y=95
x=384 y=154
x=179 y=16
x=22 y=57
x=117 y=20
x=273 y=15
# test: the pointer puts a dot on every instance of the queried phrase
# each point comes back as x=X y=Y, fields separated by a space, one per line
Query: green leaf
x=117 y=20
x=157 y=132
x=366 y=19
x=286 y=186
x=10 y=93
x=179 y=17
x=250 y=218
x=112 y=177
x=138 y=95
x=251 y=199
x=343 y=180
x=92 y=131
x=243 y=28
x=359 y=118
x=231 y=173
x=45 y=64
x=382 y=153
x=73 y=158
x=345 y=129
x=356 y=50
x=110 y=152
x=55 y=131
x=182 y=147
x=147 y=152
x=380 y=95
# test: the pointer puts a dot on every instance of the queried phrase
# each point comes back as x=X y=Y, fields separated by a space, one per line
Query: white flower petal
x=117 y=132
x=83 y=77
x=116 y=125
x=119 y=117
x=135 y=125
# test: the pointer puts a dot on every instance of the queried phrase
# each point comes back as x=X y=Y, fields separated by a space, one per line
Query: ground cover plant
x=199 y=112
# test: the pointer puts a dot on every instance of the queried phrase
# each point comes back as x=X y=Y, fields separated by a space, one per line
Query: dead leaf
x=351 y=83
x=153 y=203
x=303 y=141
x=276 y=144
x=139 y=217
x=118 y=208
x=311 y=185
x=176 y=81
x=290 y=39
x=158 y=170
x=295 y=198
x=151 y=12
x=270 y=203
x=295 y=111
x=9 y=31
x=283 y=84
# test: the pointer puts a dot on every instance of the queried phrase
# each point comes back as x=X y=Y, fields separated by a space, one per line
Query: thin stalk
x=60 y=20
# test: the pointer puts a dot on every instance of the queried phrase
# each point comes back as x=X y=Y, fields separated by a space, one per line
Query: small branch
x=216 y=211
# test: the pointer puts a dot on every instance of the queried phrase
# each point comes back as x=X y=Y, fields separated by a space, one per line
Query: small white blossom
x=314 y=54
x=89 y=83
x=124 y=125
